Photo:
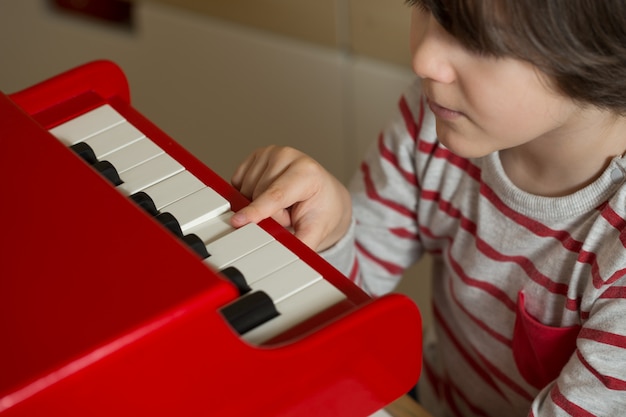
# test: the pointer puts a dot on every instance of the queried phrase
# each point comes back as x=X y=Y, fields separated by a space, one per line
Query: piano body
x=106 y=312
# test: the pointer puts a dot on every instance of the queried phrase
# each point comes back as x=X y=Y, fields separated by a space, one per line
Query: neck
x=565 y=160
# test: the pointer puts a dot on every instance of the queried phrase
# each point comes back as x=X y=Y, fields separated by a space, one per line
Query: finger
x=252 y=214
x=258 y=171
x=285 y=191
x=240 y=172
x=308 y=233
x=270 y=203
x=245 y=177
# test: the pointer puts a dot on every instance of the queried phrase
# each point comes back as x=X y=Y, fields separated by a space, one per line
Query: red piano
x=118 y=298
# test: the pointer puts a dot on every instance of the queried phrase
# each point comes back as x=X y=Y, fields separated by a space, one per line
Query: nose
x=432 y=51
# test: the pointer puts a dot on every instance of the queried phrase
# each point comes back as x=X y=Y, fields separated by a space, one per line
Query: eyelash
x=420 y=4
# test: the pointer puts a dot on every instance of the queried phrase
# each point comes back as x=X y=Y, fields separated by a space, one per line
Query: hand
x=297 y=192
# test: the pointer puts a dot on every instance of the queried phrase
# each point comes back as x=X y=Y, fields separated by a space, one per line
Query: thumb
x=309 y=233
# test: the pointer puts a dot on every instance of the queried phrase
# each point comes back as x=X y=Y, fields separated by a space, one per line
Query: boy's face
x=483 y=104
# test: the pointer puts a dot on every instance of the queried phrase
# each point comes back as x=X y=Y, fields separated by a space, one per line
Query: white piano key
x=198 y=207
x=173 y=188
x=260 y=263
x=295 y=309
x=149 y=173
x=233 y=246
x=133 y=155
x=113 y=139
x=213 y=229
x=87 y=125
x=286 y=281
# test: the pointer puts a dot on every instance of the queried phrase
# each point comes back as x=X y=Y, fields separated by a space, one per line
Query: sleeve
x=384 y=239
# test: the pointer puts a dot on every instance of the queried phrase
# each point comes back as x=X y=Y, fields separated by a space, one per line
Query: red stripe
x=438 y=151
x=601 y=336
x=532 y=225
x=559 y=399
x=505 y=378
x=403 y=233
x=525 y=263
x=412 y=126
x=614 y=292
x=614 y=220
x=463 y=163
x=388 y=155
x=598 y=281
x=427 y=148
x=433 y=380
x=355 y=275
x=491 y=332
x=608 y=381
x=489 y=288
x=573 y=304
x=539 y=229
x=388 y=266
x=567 y=241
x=475 y=410
x=373 y=195
x=447 y=393
x=464 y=354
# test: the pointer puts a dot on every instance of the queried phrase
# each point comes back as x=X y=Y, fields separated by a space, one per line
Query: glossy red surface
x=103 y=312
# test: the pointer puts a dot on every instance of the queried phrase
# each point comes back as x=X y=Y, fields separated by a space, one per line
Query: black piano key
x=145 y=202
x=85 y=151
x=170 y=222
x=235 y=276
x=109 y=172
x=250 y=311
x=195 y=243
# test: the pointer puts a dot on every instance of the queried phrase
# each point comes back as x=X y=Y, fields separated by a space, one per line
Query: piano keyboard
x=137 y=167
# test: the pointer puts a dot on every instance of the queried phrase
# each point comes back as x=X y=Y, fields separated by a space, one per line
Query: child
x=505 y=164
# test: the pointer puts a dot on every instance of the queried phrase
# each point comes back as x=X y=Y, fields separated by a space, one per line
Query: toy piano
x=124 y=290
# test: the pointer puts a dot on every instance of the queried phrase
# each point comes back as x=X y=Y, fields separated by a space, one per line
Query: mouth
x=443 y=112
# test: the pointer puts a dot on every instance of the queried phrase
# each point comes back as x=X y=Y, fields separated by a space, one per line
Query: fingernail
x=238 y=219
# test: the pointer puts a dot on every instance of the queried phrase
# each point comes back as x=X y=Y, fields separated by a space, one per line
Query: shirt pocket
x=540 y=351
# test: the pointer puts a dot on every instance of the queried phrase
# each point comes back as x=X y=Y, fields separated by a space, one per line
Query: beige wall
x=223 y=88
x=374 y=28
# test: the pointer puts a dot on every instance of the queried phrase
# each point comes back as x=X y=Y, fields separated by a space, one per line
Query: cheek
x=510 y=105
x=527 y=114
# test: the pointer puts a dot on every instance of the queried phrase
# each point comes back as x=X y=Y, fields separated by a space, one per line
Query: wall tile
x=375 y=28
x=380 y=29
x=313 y=21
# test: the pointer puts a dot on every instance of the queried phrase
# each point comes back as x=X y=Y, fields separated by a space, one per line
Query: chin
x=461 y=145
x=465 y=150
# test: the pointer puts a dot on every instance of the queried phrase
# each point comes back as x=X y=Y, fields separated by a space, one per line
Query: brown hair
x=579 y=44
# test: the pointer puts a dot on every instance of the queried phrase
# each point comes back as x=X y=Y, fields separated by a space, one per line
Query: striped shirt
x=529 y=292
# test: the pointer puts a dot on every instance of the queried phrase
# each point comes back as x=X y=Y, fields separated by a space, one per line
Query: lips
x=443 y=112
